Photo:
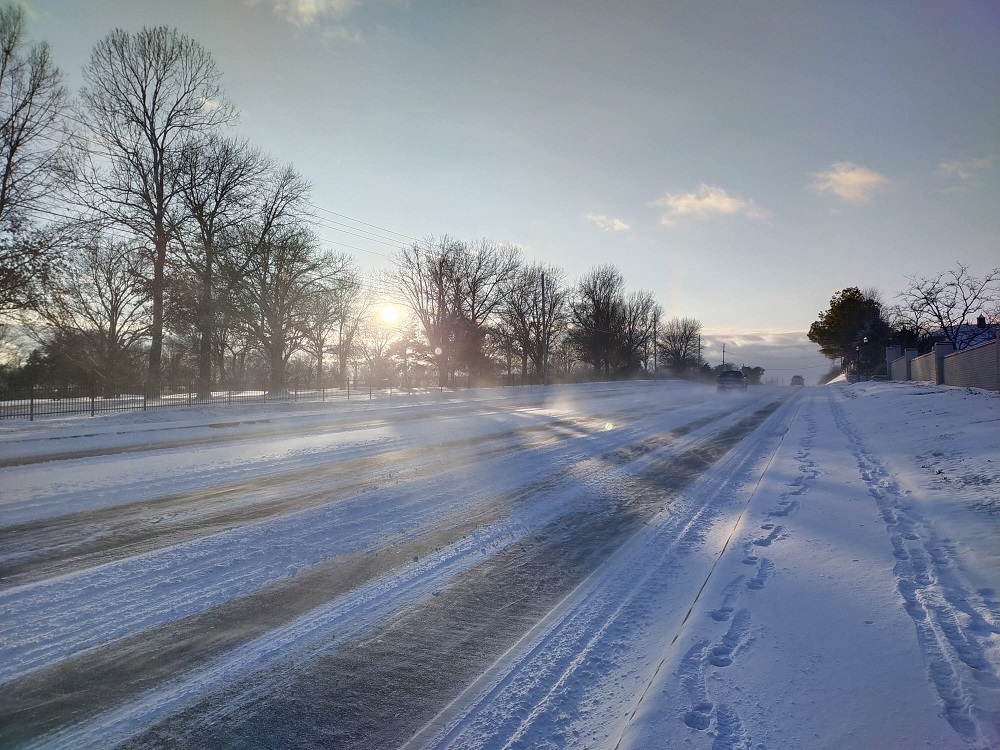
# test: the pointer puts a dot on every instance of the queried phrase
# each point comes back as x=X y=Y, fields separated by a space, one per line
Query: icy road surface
x=603 y=566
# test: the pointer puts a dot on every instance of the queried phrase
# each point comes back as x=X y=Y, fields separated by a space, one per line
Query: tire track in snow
x=540 y=680
x=56 y=546
x=402 y=661
x=276 y=425
x=52 y=619
x=614 y=457
x=937 y=601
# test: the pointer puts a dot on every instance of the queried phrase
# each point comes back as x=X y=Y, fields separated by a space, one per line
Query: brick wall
x=898 y=369
x=978 y=367
x=924 y=368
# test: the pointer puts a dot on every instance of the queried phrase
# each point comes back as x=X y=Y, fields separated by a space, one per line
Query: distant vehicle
x=798 y=380
x=731 y=380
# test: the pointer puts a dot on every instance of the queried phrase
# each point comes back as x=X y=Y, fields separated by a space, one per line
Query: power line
x=365 y=223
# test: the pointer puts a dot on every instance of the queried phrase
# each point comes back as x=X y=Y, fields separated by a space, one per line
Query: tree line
x=953 y=307
x=141 y=241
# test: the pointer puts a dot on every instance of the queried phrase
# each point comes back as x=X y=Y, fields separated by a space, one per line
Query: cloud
x=964 y=170
x=782 y=353
x=607 y=222
x=343 y=34
x=780 y=341
x=707 y=202
x=305 y=12
x=848 y=182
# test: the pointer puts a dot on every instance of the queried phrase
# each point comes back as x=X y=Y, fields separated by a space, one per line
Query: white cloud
x=607 y=222
x=779 y=340
x=964 y=170
x=848 y=182
x=343 y=34
x=707 y=202
x=305 y=12
x=782 y=353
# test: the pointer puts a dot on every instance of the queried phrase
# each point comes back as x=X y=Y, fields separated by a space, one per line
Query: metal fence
x=49 y=401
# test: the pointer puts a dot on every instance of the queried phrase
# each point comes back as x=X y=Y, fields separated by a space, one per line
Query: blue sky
x=743 y=161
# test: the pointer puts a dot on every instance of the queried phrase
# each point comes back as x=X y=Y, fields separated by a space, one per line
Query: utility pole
x=723 y=353
x=545 y=337
x=656 y=335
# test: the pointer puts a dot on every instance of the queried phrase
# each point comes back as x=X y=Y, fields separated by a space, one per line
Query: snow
x=791 y=567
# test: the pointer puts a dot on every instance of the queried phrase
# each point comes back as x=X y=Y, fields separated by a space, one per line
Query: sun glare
x=390 y=315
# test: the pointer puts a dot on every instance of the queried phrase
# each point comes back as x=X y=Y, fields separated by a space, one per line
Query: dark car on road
x=731 y=380
x=798 y=380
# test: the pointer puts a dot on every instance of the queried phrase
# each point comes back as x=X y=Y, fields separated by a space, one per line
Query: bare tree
x=284 y=274
x=678 y=344
x=147 y=96
x=354 y=305
x=453 y=289
x=938 y=306
x=596 y=316
x=276 y=272
x=375 y=344
x=535 y=310
x=334 y=314
x=218 y=180
x=32 y=103
x=504 y=342
x=97 y=313
x=635 y=334
x=427 y=278
x=409 y=352
x=485 y=269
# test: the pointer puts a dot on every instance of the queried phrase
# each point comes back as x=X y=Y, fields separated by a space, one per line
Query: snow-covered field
x=635 y=565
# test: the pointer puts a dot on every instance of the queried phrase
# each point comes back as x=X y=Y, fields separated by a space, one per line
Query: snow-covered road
x=611 y=565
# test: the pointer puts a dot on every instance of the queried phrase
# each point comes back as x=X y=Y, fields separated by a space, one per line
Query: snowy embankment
x=632 y=565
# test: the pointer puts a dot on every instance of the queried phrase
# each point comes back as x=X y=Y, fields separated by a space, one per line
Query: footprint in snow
x=729 y=595
x=765 y=569
x=767 y=541
x=787 y=507
x=723 y=654
x=731 y=734
x=692 y=674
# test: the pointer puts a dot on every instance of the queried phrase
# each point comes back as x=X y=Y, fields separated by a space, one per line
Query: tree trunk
x=206 y=325
x=277 y=366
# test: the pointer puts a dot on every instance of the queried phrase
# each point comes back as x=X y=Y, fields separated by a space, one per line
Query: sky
x=742 y=161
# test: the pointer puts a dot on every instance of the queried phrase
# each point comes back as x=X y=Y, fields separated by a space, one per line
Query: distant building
x=967 y=335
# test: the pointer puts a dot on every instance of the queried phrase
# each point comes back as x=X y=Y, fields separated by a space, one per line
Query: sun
x=389 y=315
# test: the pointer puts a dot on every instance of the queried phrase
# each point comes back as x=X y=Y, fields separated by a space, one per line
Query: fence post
x=190 y=389
x=91 y=398
x=295 y=393
x=369 y=391
x=31 y=405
